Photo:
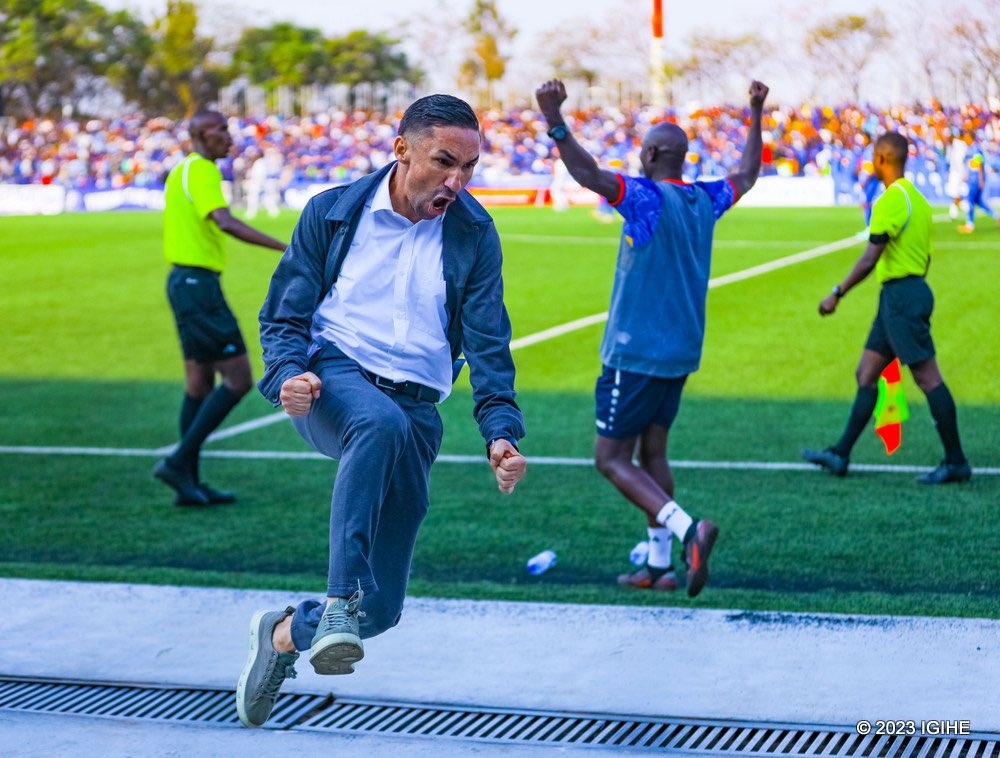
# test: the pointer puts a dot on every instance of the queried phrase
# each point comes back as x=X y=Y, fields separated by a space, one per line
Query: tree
x=718 y=59
x=842 y=47
x=429 y=36
x=56 y=53
x=179 y=78
x=486 y=58
x=576 y=57
x=609 y=53
x=921 y=44
x=281 y=55
x=364 y=57
x=681 y=69
x=979 y=40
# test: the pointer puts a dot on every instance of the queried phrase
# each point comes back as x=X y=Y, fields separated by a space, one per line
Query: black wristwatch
x=558 y=132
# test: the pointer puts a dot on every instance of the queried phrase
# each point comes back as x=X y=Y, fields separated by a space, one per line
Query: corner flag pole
x=657 y=84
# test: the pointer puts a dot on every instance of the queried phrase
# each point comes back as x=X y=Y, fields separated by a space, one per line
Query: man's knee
x=236 y=375
x=608 y=463
x=927 y=375
x=238 y=387
x=379 y=619
x=384 y=425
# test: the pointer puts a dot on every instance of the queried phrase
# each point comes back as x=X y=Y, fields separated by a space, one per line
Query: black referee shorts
x=206 y=325
x=902 y=326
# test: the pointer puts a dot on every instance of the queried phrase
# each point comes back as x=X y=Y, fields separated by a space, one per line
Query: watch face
x=558 y=132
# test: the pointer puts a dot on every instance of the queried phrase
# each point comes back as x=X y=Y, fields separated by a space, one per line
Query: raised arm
x=746 y=176
x=581 y=165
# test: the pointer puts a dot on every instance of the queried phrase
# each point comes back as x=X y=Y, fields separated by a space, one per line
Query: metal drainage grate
x=323 y=713
x=652 y=733
x=137 y=701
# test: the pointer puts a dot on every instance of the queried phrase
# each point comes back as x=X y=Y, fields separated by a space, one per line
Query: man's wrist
x=511 y=440
x=837 y=291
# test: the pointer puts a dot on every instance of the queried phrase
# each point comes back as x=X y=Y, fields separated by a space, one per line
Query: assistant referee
x=899 y=251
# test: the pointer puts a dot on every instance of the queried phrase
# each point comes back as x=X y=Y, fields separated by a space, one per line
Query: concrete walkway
x=706 y=664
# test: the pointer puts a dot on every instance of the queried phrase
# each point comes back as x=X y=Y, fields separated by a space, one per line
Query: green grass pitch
x=90 y=384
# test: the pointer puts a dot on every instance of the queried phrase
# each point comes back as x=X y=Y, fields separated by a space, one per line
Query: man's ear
x=400 y=149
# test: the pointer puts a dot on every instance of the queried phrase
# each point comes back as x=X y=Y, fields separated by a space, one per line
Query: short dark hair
x=438 y=110
x=895 y=146
x=200 y=120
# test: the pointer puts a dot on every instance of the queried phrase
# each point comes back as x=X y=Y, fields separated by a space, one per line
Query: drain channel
x=323 y=713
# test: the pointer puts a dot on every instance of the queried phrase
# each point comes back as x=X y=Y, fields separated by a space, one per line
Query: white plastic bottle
x=539 y=564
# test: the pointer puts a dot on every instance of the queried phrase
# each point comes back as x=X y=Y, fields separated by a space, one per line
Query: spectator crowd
x=337 y=147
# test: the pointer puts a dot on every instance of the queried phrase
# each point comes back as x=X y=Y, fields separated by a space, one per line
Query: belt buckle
x=382 y=383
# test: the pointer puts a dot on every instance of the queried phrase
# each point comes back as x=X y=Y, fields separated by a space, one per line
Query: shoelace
x=339 y=613
x=273 y=683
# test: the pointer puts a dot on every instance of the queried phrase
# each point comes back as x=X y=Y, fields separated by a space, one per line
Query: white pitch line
x=580 y=323
x=474 y=459
x=246 y=426
x=558 y=331
x=779 y=263
x=719 y=281
x=605 y=241
x=565 y=240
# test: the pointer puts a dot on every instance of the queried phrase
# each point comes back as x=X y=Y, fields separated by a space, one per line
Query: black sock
x=655 y=573
x=945 y=414
x=861 y=415
x=189 y=410
x=212 y=412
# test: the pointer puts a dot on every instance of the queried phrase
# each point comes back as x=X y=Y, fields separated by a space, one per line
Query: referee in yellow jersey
x=196 y=216
x=899 y=251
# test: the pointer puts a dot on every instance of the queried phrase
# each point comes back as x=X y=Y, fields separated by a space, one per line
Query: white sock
x=674 y=518
x=659 y=547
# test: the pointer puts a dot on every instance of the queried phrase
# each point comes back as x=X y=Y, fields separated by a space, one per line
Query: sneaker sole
x=658 y=586
x=699 y=578
x=336 y=654
x=251 y=659
x=960 y=479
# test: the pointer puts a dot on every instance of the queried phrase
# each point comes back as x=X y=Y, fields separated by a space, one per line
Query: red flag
x=890 y=408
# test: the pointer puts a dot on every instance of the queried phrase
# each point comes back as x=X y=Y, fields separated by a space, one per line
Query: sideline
x=466 y=459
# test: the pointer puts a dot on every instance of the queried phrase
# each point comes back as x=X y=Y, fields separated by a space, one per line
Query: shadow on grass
x=791 y=539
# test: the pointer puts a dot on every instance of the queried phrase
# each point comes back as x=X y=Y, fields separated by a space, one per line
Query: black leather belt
x=413 y=389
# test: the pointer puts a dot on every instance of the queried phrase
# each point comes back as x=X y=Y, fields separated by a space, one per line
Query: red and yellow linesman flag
x=890 y=408
x=657 y=19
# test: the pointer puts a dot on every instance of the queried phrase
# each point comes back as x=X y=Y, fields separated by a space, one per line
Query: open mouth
x=441 y=202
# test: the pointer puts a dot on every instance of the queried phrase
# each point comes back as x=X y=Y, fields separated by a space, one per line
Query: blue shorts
x=627 y=403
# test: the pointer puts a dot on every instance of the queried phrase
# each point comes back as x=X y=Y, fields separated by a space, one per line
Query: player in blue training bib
x=656 y=321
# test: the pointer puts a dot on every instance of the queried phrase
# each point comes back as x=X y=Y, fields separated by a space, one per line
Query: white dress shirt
x=387 y=308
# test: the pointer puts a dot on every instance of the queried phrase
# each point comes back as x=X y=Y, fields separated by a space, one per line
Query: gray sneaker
x=336 y=645
x=264 y=671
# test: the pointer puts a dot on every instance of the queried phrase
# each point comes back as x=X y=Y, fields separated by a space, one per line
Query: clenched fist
x=297 y=394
